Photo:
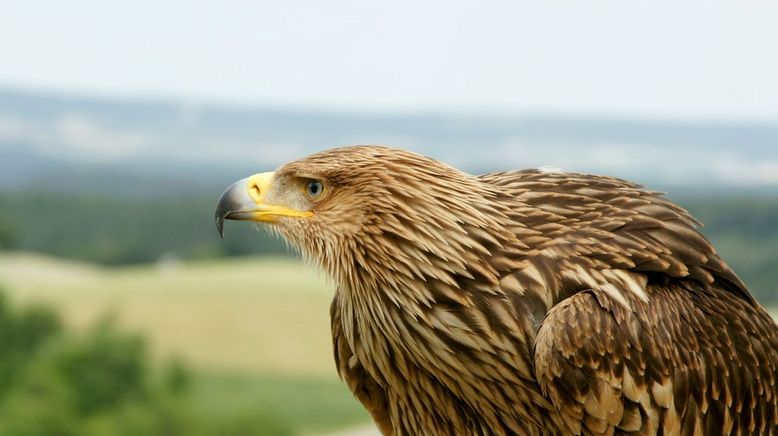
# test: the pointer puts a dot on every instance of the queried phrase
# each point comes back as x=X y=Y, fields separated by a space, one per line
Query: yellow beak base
x=244 y=200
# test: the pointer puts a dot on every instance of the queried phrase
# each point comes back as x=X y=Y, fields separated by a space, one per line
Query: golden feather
x=527 y=302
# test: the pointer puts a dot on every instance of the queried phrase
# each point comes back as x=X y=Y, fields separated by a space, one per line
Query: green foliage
x=133 y=229
x=7 y=235
x=105 y=369
x=22 y=334
x=124 y=230
x=178 y=379
x=99 y=382
x=309 y=403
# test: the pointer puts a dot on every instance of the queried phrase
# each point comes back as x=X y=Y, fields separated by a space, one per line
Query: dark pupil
x=314 y=188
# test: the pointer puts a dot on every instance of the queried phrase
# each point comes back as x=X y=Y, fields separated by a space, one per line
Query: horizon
x=134 y=98
x=40 y=131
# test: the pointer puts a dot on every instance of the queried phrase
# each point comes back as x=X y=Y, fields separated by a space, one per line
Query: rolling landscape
x=106 y=212
x=253 y=331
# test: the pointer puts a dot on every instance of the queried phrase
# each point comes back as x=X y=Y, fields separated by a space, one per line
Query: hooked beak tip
x=232 y=199
x=220 y=225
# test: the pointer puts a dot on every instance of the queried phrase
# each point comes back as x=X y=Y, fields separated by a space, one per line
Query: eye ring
x=314 y=188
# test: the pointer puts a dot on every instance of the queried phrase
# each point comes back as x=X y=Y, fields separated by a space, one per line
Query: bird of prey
x=526 y=302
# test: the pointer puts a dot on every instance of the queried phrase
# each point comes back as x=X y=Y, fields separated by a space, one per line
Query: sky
x=663 y=58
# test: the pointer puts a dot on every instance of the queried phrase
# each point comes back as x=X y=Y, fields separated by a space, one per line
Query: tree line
x=114 y=230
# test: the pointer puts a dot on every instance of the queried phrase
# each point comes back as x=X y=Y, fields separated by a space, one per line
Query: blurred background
x=123 y=313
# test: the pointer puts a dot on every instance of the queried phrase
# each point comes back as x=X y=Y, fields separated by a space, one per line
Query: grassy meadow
x=255 y=330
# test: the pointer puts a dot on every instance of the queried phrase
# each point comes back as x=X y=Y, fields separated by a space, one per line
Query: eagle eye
x=314 y=188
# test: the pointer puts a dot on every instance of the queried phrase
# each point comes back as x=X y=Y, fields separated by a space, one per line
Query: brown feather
x=530 y=302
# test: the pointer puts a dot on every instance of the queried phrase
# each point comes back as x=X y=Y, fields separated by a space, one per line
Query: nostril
x=254 y=192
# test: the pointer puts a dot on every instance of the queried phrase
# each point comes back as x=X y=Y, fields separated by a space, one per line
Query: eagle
x=524 y=302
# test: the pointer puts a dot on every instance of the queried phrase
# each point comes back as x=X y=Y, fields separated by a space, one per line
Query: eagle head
x=363 y=205
x=366 y=212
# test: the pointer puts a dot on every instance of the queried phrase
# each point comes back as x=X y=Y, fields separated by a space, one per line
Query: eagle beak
x=244 y=200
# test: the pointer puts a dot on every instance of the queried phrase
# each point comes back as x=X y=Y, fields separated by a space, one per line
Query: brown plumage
x=524 y=302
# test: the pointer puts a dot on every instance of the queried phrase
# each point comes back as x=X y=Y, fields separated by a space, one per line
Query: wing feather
x=661 y=366
x=609 y=223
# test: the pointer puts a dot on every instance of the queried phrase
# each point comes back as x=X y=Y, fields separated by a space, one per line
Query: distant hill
x=166 y=146
x=132 y=181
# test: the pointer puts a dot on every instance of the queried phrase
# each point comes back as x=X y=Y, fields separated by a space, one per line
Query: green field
x=255 y=330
